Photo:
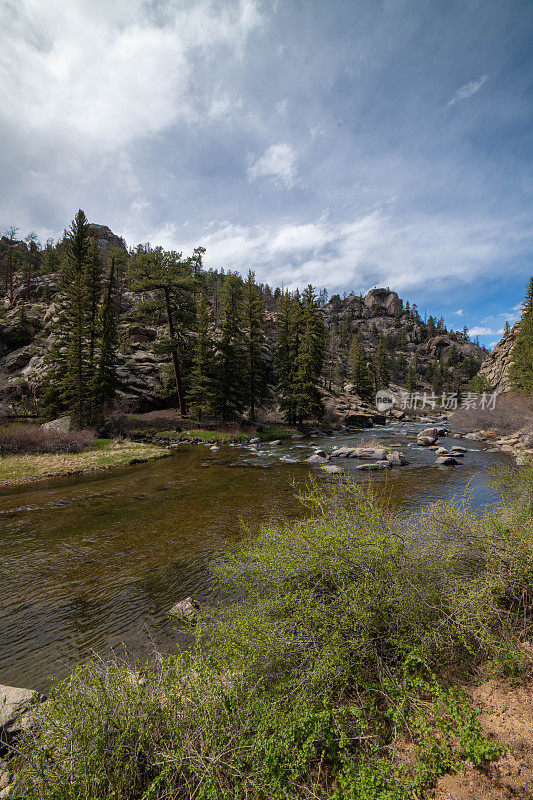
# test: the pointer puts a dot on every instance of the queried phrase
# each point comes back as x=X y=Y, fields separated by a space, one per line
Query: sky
x=343 y=143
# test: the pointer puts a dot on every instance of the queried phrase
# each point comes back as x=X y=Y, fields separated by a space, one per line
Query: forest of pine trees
x=219 y=329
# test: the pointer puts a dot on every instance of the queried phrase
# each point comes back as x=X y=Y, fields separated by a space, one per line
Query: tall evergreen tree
x=381 y=366
x=359 y=373
x=230 y=390
x=254 y=320
x=287 y=350
x=521 y=369
x=105 y=378
x=93 y=277
x=167 y=273
x=74 y=388
x=311 y=352
x=202 y=375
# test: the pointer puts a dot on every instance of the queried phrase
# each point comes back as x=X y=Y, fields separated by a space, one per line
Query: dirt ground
x=508 y=718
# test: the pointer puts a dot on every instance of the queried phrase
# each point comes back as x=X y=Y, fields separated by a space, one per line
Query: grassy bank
x=225 y=435
x=102 y=454
x=334 y=675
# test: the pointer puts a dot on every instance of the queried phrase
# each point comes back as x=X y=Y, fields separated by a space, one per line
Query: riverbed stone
x=255 y=440
x=374 y=465
x=397 y=459
x=449 y=460
x=59 y=425
x=332 y=469
x=276 y=441
x=315 y=459
x=341 y=452
x=186 y=610
x=321 y=453
x=456 y=449
x=377 y=453
x=16 y=707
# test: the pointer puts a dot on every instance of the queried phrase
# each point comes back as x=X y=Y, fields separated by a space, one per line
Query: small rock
x=439 y=451
x=456 y=449
x=215 y=447
x=276 y=441
x=315 y=459
x=321 y=453
x=332 y=469
x=297 y=436
x=435 y=447
x=185 y=610
x=446 y=460
x=255 y=441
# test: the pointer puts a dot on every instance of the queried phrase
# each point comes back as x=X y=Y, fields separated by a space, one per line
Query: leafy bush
x=327 y=658
x=33 y=439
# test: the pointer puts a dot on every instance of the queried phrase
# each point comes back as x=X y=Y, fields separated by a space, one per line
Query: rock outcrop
x=495 y=368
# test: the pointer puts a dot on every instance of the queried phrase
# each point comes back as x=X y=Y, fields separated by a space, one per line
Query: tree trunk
x=175 y=361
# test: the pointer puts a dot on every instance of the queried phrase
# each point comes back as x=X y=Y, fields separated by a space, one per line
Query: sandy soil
x=508 y=718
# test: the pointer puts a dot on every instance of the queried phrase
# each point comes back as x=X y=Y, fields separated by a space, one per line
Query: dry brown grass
x=512 y=412
x=16 y=438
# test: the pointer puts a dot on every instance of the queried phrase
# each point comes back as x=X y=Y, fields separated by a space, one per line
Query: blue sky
x=348 y=144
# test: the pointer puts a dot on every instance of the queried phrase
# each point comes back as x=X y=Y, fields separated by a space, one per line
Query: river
x=92 y=564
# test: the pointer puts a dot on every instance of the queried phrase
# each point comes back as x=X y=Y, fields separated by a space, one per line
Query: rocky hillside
x=441 y=359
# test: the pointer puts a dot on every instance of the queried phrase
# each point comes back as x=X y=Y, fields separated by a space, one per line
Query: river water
x=92 y=564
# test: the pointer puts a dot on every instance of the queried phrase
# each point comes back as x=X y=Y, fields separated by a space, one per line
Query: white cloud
x=481 y=331
x=278 y=162
x=106 y=73
x=459 y=312
x=372 y=249
x=468 y=90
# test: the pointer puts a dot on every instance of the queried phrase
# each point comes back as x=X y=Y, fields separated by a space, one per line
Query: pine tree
x=254 y=319
x=313 y=344
x=105 y=378
x=411 y=380
x=359 y=373
x=167 y=273
x=74 y=383
x=93 y=278
x=506 y=329
x=230 y=390
x=521 y=369
x=32 y=259
x=381 y=366
x=23 y=328
x=201 y=383
x=288 y=346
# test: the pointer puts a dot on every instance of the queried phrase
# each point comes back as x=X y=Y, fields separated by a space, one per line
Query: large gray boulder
x=447 y=460
x=397 y=459
x=59 y=425
x=377 y=453
x=16 y=707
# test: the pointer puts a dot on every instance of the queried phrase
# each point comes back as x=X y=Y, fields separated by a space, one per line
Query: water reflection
x=92 y=564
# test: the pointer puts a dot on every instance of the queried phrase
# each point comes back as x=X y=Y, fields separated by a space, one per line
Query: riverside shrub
x=331 y=655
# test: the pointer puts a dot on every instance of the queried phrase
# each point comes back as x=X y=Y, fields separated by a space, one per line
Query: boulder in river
x=255 y=441
x=186 y=610
x=341 y=452
x=377 y=453
x=456 y=449
x=321 y=453
x=332 y=469
x=375 y=465
x=276 y=441
x=440 y=451
x=315 y=459
x=397 y=459
x=450 y=460
x=428 y=436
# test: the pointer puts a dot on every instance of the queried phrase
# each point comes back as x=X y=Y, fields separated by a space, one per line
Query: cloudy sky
x=346 y=143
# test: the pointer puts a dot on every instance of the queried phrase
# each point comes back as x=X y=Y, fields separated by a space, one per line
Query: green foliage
x=201 y=382
x=382 y=366
x=521 y=369
x=479 y=384
x=230 y=393
x=359 y=373
x=254 y=319
x=329 y=652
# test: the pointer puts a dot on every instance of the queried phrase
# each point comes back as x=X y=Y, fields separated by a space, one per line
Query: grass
x=103 y=454
x=274 y=432
x=345 y=641
x=222 y=435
